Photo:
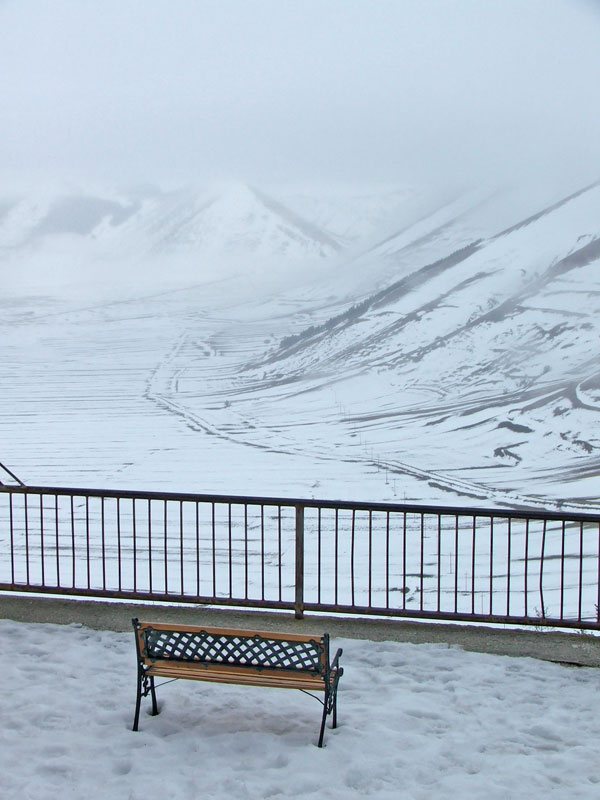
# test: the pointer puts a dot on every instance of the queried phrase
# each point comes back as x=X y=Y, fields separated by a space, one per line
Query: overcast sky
x=286 y=90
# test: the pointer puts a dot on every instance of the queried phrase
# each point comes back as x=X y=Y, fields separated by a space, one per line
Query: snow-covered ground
x=415 y=721
x=453 y=357
x=225 y=343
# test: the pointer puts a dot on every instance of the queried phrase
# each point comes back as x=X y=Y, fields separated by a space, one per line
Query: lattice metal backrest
x=255 y=651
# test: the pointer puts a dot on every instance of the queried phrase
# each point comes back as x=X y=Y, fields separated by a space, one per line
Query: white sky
x=283 y=90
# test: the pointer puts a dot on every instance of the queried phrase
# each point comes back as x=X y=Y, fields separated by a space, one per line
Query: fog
x=328 y=91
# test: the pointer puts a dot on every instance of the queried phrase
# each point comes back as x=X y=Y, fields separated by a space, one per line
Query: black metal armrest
x=336 y=660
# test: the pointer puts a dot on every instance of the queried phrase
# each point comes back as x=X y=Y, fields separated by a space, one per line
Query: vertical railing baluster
x=456 y=545
x=422 y=562
x=319 y=556
x=57 y=540
x=87 y=541
x=103 y=537
x=166 y=545
x=473 y=563
x=526 y=568
x=134 y=543
x=262 y=551
x=12 y=539
x=279 y=550
x=245 y=551
x=352 y=532
x=42 y=555
x=542 y=563
x=230 y=540
x=299 y=580
x=119 y=558
x=150 y=584
x=562 y=570
x=580 y=603
x=198 y=549
x=214 y=550
x=387 y=559
x=73 y=538
x=509 y=558
x=439 y=562
x=491 y=576
x=404 y=584
x=336 y=559
x=26 y=510
x=181 y=542
x=370 y=557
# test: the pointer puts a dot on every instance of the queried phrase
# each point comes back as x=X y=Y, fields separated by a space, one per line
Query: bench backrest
x=261 y=650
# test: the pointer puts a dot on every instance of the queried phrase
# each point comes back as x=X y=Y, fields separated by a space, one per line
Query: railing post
x=299 y=598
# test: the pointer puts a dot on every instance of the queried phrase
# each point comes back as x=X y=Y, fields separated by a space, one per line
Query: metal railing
x=400 y=560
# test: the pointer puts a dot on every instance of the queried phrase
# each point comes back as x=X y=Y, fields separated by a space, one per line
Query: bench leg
x=322 y=731
x=138 y=701
x=153 y=693
x=329 y=707
x=334 y=721
x=145 y=686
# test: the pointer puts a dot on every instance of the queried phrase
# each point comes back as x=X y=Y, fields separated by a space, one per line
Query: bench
x=249 y=658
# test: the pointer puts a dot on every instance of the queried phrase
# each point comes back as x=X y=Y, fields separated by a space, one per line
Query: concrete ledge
x=568 y=648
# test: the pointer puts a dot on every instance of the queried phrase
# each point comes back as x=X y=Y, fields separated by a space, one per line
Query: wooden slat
x=204 y=668
x=225 y=666
x=235 y=676
x=244 y=634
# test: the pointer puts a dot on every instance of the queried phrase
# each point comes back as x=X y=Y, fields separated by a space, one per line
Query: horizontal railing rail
x=493 y=565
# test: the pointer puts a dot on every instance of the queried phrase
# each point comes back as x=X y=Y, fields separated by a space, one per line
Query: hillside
x=477 y=370
x=450 y=355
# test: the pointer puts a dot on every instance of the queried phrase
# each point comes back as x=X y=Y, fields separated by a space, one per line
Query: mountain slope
x=478 y=369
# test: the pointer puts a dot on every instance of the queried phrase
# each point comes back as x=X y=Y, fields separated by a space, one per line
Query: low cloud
x=329 y=90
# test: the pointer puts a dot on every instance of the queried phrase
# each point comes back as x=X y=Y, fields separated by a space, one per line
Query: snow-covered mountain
x=233 y=220
x=358 y=214
x=451 y=354
x=475 y=369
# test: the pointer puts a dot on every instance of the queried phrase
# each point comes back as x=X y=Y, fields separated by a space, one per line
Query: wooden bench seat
x=235 y=656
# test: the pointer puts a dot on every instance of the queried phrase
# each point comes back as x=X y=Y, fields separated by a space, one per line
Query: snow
x=124 y=366
x=356 y=213
x=474 y=376
x=415 y=721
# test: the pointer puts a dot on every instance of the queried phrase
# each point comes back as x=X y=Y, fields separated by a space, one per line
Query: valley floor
x=94 y=395
x=157 y=391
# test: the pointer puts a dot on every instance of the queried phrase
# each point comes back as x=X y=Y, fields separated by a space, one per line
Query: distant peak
x=234 y=189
